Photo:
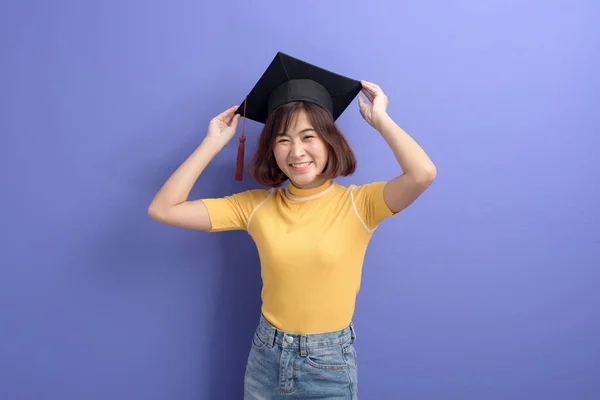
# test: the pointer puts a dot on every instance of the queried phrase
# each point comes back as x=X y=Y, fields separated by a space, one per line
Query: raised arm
x=170 y=206
x=418 y=169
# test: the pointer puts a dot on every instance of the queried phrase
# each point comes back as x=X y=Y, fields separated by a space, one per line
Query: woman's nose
x=297 y=150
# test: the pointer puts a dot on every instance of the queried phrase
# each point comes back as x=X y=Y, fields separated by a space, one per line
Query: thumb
x=361 y=102
x=235 y=120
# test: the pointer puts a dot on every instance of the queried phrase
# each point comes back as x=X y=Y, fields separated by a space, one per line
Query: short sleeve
x=233 y=212
x=370 y=205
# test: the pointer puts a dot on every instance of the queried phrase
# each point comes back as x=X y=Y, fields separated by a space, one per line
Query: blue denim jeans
x=284 y=365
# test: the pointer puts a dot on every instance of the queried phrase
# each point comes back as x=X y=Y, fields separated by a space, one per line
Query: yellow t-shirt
x=311 y=244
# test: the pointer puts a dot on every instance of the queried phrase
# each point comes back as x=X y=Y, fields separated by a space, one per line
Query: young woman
x=311 y=234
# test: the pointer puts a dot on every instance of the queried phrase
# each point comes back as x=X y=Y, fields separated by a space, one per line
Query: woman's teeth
x=302 y=165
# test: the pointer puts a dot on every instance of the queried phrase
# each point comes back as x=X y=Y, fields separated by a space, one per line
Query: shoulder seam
x=358 y=214
x=256 y=208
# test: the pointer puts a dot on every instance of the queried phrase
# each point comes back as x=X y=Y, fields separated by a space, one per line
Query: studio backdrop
x=486 y=288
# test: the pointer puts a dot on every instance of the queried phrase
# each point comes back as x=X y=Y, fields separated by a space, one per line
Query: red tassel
x=239 y=169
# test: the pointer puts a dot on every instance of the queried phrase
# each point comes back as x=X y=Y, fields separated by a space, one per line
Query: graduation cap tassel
x=239 y=170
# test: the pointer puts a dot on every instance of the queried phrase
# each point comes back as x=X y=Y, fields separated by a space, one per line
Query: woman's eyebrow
x=302 y=131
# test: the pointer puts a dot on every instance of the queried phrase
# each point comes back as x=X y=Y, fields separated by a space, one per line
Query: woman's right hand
x=222 y=127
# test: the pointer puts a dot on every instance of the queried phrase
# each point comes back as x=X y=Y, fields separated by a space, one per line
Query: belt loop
x=352 y=331
x=303 y=349
x=272 y=335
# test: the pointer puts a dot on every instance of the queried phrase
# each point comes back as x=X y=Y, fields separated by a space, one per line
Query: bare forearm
x=412 y=158
x=177 y=188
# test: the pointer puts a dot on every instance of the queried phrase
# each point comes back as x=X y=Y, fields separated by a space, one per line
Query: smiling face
x=300 y=142
x=301 y=153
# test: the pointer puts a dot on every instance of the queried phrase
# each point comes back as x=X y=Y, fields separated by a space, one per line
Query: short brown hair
x=340 y=162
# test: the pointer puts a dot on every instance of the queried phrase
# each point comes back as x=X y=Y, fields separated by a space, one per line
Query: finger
x=232 y=115
x=361 y=102
x=367 y=88
x=233 y=122
x=375 y=89
x=370 y=84
x=369 y=95
x=227 y=114
x=367 y=84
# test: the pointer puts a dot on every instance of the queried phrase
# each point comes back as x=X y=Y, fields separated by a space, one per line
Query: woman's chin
x=306 y=180
x=303 y=179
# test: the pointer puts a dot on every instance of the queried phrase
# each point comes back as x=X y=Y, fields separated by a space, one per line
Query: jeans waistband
x=303 y=341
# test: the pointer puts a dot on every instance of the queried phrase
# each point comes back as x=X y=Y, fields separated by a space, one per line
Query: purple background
x=486 y=288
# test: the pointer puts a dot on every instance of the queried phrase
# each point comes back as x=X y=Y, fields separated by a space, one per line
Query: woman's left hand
x=374 y=112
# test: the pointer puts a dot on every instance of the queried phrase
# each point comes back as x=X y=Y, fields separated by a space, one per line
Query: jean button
x=289 y=339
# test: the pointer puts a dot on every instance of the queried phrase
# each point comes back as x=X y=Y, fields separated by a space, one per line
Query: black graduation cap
x=290 y=79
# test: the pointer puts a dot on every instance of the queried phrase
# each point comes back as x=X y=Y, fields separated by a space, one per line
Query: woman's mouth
x=300 y=167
